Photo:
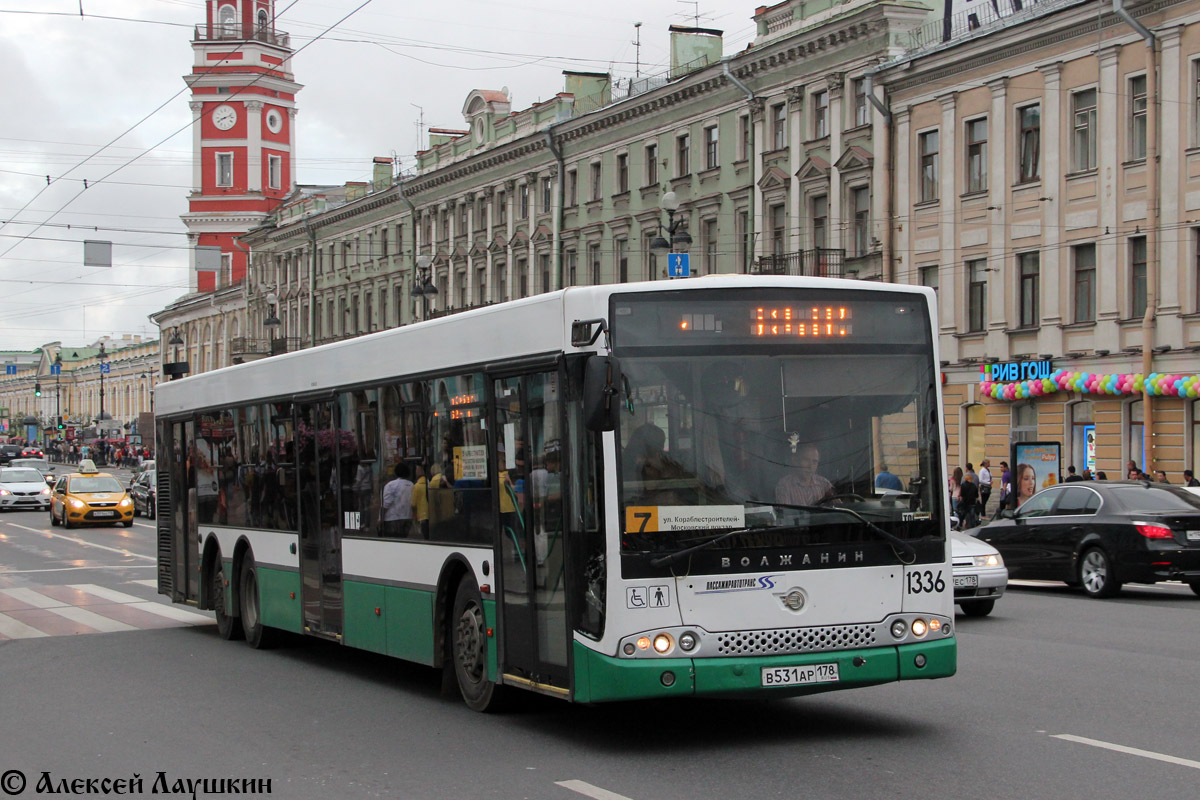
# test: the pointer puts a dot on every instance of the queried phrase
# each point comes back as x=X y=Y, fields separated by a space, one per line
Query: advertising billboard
x=1035 y=466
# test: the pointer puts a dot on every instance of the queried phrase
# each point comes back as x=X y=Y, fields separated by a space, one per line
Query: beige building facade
x=1029 y=194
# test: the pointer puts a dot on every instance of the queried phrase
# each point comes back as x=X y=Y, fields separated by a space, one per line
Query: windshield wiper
x=671 y=558
x=895 y=541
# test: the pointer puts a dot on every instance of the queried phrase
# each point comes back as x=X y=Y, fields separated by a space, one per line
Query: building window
x=226 y=269
x=710 y=147
x=1085 y=282
x=622 y=173
x=1137 y=275
x=743 y=148
x=779 y=126
x=461 y=228
x=1137 y=117
x=927 y=146
x=1083 y=138
x=572 y=267
x=820 y=107
x=743 y=239
x=976 y=433
x=1029 y=142
x=383 y=243
x=1083 y=435
x=274 y=172
x=778 y=230
x=860 y=199
x=929 y=277
x=547 y=200
x=1028 y=271
x=544 y=264
x=522 y=278
x=819 y=206
x=1196 y=109
x=1137 y=435
x=1023 y=425
x=445 y=214
x=622 y=260
x=683 y=154
x=596 y=175
x=862 y=114
x=523 y=199
x=572 y=188
x=709 y=236
x=224 y=169
x=977 y=135
x=652 y=164
x=480 y=215
x=594 y=262
x=976 y=294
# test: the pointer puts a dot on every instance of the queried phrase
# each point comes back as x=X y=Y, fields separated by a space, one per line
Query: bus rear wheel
x=228 y=627
x=469 y=649
x=259 y=636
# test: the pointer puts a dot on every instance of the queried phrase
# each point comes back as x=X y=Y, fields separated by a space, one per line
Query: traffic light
x=37 y=390
x=60 y=425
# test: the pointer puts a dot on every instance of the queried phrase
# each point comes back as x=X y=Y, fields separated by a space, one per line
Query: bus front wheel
x=469 y=643
x=258 y=635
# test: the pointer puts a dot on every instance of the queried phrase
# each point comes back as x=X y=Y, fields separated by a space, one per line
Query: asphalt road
x=1057 y=696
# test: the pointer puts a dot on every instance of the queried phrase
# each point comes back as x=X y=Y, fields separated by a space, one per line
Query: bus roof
x=519 y=328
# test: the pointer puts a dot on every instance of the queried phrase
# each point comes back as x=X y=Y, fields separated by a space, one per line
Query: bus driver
x=802 y=486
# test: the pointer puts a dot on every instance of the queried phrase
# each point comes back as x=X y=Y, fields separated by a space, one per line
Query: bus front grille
x=785 y=641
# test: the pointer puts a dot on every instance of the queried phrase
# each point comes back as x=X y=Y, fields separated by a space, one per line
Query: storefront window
x=1024 y=423
x=1083 y=436
x=976 y=428
x=1136 y=439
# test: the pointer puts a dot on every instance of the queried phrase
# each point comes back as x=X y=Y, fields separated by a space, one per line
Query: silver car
x=23 y=487
x=980 y=576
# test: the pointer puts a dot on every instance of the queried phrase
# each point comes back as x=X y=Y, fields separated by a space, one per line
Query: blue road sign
x=105 y=368
x=56 y=369
x=10 y=369
x=678 y=265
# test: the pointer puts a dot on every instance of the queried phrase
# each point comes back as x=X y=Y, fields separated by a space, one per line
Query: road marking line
x=92 y=619
x=82 y=542
x=107 y=594
x=173 y=612
x=11 y=629
x=588 y=790
x=1133 y=751
x=74 y=569
x=33 y=598
x=152 y=583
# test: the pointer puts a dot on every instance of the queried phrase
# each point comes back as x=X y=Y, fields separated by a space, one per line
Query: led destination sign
x=814 y=322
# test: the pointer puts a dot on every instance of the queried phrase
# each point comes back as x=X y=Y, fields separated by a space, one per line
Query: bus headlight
x=688 y=642
x=663 y=643
x=919 y=627
x=899 y=628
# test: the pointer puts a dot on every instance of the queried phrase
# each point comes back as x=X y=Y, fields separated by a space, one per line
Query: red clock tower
x=243 y=140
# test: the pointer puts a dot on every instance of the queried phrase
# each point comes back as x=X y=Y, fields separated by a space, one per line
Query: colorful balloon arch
x=1159 y=383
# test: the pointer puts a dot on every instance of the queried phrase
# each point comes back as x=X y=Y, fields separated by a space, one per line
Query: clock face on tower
x=224 y=117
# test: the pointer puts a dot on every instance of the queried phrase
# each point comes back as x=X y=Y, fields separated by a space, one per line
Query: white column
x=292 y=146
x=949 y=301
x=254 y=145
x=758 y=130
x=795 y=133
x=1111 y=255
x=998 y=180
x=1053 y=146
x=902 y=192
x=1173 y=242
x=838 y=228
x=898 y=190
x=197 y=150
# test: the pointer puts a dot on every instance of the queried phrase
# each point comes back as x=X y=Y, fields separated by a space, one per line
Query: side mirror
x=1007 y=513
x=601 y=393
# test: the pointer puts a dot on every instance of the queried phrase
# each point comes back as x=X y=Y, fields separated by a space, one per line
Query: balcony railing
x=248 y=346
x=238 y=32
x=822 y=262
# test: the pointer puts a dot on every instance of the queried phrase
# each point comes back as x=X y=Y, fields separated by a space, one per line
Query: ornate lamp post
x=423 y=284
x=676 y=228
x=272 y=321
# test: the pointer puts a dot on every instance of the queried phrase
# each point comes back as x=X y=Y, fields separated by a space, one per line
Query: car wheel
x=978 y=608
x=229 y=627
x=53 y=519
x=259 y=636
x=469 y=649
x=1097 y=575
x=151 y=513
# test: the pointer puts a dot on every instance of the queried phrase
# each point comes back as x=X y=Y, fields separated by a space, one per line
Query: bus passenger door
x=533 y=618
x=320 y=525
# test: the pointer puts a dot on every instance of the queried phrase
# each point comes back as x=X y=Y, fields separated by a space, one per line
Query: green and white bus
x=731 y=485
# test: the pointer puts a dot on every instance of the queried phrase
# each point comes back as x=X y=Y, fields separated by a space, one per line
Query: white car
x=23 y=487
x=980 y=576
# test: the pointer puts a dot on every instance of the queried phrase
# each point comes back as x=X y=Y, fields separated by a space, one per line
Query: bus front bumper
x=601 y=678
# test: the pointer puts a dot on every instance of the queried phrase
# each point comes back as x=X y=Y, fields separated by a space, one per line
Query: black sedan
x=143 y=491
x=1101 y=534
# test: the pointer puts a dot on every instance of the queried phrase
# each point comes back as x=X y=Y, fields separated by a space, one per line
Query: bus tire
x=229 y=627
x=259 y=636
x=468 y=649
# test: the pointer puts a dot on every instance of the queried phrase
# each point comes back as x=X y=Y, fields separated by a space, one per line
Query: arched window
x=227 y=18
x=1082 y=451
x=262 y=19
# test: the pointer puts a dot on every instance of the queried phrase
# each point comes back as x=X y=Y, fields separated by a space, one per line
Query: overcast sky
x=100 y=98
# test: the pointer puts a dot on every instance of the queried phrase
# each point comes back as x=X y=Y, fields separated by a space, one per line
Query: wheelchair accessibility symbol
x=648 y=597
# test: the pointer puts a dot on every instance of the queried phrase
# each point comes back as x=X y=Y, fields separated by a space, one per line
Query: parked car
x=89 y=496
x=145 y=466
x=144 y=492
x=40 y=464
x=23 y=487
x=1099 y=535
x=980 y=576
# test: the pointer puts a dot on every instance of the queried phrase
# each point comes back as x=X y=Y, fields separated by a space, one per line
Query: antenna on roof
x=637 y=43
x=420 y=126
x=695 y=15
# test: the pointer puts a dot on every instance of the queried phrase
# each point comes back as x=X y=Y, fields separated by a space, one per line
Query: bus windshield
x=779 y=440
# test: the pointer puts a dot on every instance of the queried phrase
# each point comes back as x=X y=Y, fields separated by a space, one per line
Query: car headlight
x=4 y=492
x=46 y=490
x=76 y=502
x=991 y=560
x=126 y=501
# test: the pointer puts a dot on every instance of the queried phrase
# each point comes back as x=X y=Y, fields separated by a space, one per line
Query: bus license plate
x=798 y=676
x=104 y=513
x=966 y=580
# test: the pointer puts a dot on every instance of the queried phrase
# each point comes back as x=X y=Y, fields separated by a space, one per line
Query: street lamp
x=423 y=284
x=58 y=392
x=272 y=321
x=103 y=356
x=176 y=368
x=676 y=229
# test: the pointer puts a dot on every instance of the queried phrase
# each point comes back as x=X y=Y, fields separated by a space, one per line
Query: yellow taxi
x=89 y=496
